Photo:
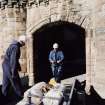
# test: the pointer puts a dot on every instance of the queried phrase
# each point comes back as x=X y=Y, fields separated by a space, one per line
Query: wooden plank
x=71 y=93
x=67 y=99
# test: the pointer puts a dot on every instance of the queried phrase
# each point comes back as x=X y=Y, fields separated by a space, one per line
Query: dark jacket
x=11 y=59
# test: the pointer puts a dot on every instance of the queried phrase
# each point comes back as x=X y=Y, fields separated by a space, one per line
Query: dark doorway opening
x=71 y=39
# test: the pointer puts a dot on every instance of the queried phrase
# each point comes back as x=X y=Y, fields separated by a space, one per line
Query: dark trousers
x=9 y=81
x=57 y=72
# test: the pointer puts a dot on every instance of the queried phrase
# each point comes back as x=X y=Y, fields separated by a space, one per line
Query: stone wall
x=55 y=10
x=98 y=47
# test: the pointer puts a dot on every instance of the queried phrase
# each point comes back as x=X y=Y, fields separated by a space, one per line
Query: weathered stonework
x=28 y=16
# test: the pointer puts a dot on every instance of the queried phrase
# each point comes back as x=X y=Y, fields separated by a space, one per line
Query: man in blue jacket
x=11 y=66
x=56 y=59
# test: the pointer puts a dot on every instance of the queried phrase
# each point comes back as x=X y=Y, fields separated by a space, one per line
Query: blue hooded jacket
x=11 y=59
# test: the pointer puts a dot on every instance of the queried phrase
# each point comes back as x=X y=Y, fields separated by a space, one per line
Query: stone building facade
x=28 y=16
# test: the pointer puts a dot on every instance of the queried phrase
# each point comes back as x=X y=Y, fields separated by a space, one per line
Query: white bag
x=54 y=96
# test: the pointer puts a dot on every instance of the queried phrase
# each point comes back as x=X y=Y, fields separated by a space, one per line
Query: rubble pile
x=44 y=94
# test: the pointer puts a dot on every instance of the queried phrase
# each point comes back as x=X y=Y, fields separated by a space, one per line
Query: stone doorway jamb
x=30 y=66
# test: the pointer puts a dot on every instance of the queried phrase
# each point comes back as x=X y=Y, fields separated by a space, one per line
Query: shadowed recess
x=71 y=40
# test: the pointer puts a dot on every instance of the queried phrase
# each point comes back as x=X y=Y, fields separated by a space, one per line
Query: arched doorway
x=71 y=39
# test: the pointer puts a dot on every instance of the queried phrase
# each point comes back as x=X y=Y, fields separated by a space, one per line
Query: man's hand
x=58 y=61
x=13 y=76
x=52 y=62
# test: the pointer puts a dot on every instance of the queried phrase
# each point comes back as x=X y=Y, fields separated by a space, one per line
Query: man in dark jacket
x=56 y=59
x=11 y=66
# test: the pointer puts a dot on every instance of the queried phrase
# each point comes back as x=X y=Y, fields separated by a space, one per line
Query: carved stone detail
x=38 y=2
x=12 y=3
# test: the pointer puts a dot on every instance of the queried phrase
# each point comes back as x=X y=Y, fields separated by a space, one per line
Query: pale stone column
x=88 y=61
x=30 y=67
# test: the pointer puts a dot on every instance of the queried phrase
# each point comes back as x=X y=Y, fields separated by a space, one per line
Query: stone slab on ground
x=70 y=80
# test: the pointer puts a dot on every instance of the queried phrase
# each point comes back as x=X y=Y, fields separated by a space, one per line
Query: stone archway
x=30 y=57
x=56 y=11
x=71 y=39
